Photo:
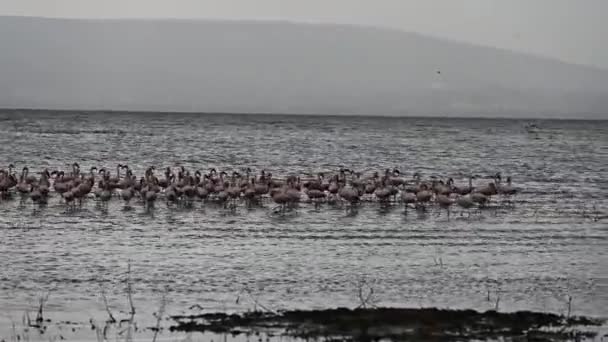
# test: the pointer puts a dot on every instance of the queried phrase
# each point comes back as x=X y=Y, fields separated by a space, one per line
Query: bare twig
x=14 y=337
x=105 y=302
x=583 y=210
x=98 y=332
x=130 y=291
x=160 y=313
x=254 y=298
x=26 y=319
x=496 y=305
x=41 y=302
x=131 y=320
x=596 y=212
x=365 y=294
x=438 y=261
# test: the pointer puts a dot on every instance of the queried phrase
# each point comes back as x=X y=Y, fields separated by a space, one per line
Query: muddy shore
x=395 y=324
x=341 y=324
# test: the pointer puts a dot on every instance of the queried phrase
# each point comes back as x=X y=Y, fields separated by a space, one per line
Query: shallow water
x=551 y=245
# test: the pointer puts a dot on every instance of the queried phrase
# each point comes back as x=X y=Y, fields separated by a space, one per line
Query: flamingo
x=83 y=189
x=171 y=195
x=293 y=193
x=68 y=196
x=23 y=186
x=395 y=179
x=150 y=198
x=479 y=198
x=127 y=195
x=462 y=190
x=465 y=202
x=370 y=188
x=383 y=193
x=44 y=184
x=35 y=194
x=164 y=183
x=442 y=189
x=128 y=180
x=7 y=181
x=105 y=195
x=445 y=203
x=115 y=180
x=423 y=196
x=351 y=195
x=60 y=185
x=249 y=193
x=488 y=190
x=508 y=190
x=316 y=195
x=281 y=198
x=408 y=198
x=201 y=190
x=415 y=188
x=27 y=178
x=261 y=187
x=189 y=190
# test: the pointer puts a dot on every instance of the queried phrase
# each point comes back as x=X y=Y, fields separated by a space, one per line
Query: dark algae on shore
x=395 y=325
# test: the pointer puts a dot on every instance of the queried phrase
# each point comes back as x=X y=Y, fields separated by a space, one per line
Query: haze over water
x=534 y=255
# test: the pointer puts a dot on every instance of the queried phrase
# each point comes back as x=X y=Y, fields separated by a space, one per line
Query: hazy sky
x=570 y=30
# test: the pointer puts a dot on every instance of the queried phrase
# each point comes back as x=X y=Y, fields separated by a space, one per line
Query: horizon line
x=382 y=116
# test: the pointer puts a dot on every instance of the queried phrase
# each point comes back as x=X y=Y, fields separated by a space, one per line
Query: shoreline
x=335 y=324
x=395 y=324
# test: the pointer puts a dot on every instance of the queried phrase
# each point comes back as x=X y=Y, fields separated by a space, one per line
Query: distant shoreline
x=380 y=116
x=283 y=68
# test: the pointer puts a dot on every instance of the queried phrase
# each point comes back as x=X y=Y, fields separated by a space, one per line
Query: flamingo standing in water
x=466 y=203
x=479 y=198
x=483 y=195
x=127 y=195
x=201 y=188
x=508 y=190
x=423 y=196
x=249 y=193
x=462 y=190
x=346 y=185
x=149 y=194
x=281 y=198
x=408 y=198
x=383 y=192
x=351 y=195
x=35 y=194
x=444 y=202
x=59 y=184
x=105 y=195
x=23 y=186
x=44 y=184
x=7 y=181
x=292 y=192
x=317 y=196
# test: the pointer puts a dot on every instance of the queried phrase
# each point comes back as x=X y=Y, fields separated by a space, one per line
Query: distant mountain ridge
x=279 y=67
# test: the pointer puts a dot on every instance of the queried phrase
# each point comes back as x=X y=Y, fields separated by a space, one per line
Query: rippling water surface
x=551 y=245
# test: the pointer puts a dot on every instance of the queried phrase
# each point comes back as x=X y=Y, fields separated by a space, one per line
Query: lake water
x=551 y=245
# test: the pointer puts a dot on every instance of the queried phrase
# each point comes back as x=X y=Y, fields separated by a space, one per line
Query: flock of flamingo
x=181 y=187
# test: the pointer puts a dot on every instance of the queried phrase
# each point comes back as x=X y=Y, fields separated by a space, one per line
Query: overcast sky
x=570 y=30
